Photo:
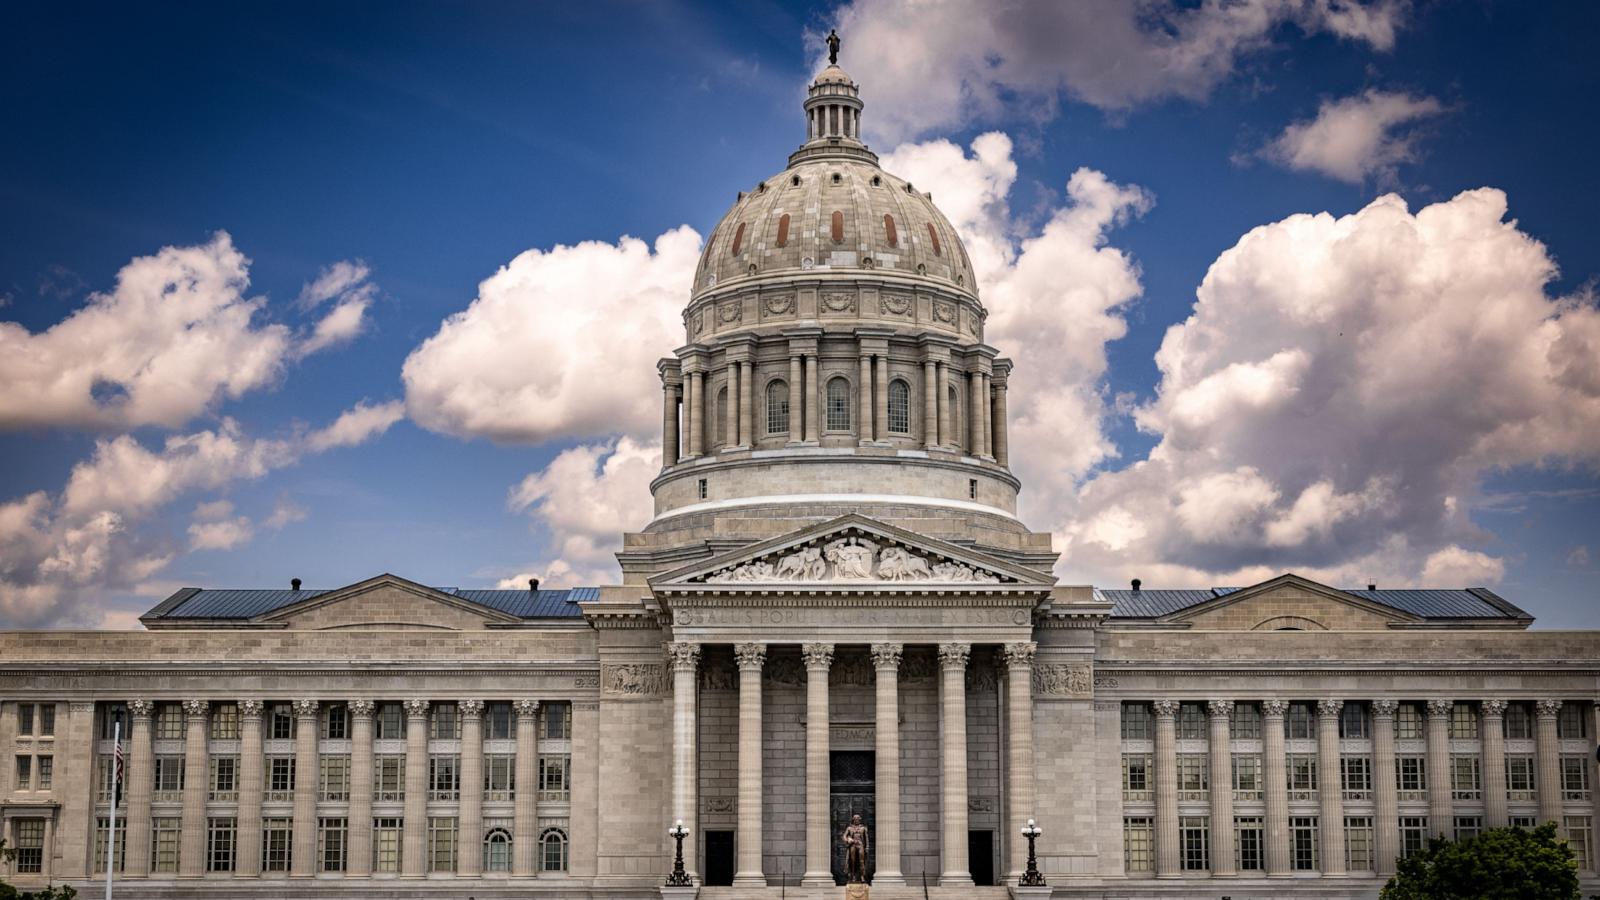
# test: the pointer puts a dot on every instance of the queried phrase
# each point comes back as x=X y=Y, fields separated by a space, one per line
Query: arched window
x=934 y=237
x=719 y=430
x=553 y=850
x=497 y=851
x=738 y=240
x=889 y=233
x=838 y=404
x=777 y=407
x=899 y=407
x=783 y=230
x=838 y=227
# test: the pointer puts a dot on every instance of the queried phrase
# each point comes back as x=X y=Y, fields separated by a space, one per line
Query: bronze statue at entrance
x=855 y=851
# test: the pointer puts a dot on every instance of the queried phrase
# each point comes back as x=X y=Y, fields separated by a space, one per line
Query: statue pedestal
x=1018 y=892
x=855 y=892
x=679 y=893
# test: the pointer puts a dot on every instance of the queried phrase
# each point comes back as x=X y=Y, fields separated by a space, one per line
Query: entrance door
x=719 y=858
x=980 y=856
x=852 y=774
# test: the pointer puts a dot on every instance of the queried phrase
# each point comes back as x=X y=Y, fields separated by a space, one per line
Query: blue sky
x=427 y=146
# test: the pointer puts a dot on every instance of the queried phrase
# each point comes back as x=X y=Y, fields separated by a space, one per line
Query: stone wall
x=919 y=764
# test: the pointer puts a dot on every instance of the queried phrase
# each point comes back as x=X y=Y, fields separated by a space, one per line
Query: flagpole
x=116 y=788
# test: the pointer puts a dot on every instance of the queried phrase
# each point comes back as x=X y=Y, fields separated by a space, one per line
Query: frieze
x=730 y=312
x=1105 y=681
x=778 y=304
x=944 y=311
x=715 y=805
x=849 y=617
x=634 y=679
x=1056 y=680
x=891 y=304
x=838 y=302
x=586 y=681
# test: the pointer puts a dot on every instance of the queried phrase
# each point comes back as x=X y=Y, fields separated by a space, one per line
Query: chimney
x=1372 y=587
x=1136 y=583
x=533 y=585
x=294 y=584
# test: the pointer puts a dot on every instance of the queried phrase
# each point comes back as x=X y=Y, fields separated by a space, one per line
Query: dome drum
x=779 y=303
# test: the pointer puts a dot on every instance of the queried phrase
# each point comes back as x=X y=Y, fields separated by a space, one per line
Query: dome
x=833 y=75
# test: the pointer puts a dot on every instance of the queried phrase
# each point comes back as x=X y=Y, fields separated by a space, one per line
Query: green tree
x=1499 y=864
x=7 y=892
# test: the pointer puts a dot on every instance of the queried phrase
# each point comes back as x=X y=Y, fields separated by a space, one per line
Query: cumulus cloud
x=222 y=534
x=1336 y=397
x=945 y=63
x=1355 y=138
x=558 y=343
x=585 y=499
x=357 y=425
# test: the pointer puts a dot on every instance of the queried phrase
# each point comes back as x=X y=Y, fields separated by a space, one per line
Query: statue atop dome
x=833 y=47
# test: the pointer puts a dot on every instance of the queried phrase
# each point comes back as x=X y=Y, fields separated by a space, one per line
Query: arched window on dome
x=783 y=230
x=719 y=430
x=738 y=240
x=553 y=850
x=838 y=404
x=777 y=407
x=497 y=851
x=934 y=237
x=889 y=234
x=838 y=227
x=899 y=407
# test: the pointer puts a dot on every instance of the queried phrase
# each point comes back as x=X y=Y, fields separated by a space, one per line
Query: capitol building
x=834 y=611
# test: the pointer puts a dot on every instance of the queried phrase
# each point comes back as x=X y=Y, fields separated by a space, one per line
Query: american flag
x=116 y=782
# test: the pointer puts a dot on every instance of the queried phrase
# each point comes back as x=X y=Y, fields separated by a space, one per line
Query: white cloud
x=586 y=498
x=357 y=425
x=1453 y=566
x=284 y=511
x=340 y=278
x=224 y=534
x=930 y=64
x=347 y=282
x=213 y=510
x=559 y=343
x=1355 y=138
x=1578 y=558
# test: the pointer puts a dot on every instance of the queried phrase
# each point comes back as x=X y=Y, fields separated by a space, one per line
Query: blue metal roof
x=1429 y=603
x=233 y=603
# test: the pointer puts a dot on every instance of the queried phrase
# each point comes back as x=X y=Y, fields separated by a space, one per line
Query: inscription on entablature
x=851 y=617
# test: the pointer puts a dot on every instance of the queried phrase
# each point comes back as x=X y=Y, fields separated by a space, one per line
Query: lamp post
x=1032 y=878
x=678 y=878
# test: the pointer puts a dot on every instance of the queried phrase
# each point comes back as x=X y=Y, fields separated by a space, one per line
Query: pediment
x=1289 y=602
x=388 y=602
x=853 y=552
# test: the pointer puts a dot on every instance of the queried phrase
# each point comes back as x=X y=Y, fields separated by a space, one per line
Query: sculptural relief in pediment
x=853 y=558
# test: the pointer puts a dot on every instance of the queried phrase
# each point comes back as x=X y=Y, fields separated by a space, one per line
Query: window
x=557 y=719
x=1246 y=722
x=497 y=851
x=102 y=828
x=1194 y=843
x=386 y=844
x=933 y=238
x=109 y=713
x=1523 y=821
x=1137 y=723
x=224 y=721
x=103 y=775
x=47 y=719
x=1194 y=777
x=335 y=722
x=1413 y=835
x=499 y=774
x=1463 y=722
x=280 y=722
x=1358 y=848
x=1248 y=843
x=553 y=782
x=1247 y=776
x=446 y=723
x=972 y=488
x=738 y=240
x=1300 y=723
x=1468 y=827
x=1411 y=777
x=25 y=719
x=889 y=234
x=1576 y=831
x=1518 y=722
x=444 y=776
x=1302 y=776
x=783 y=230
x=280 y=778
x=24 y=773
x=1138 y=844
x=47 y=770
x=332 y=844
x=1303 y=843
x=899 y=407
x=499 y=722
x=1464 y=777
x=1136 y=781
x=221 y=843
x=168 y=778
x=1574 y=777
x=224 y=778
x=1191 y=722
x=1353 y=722
x=333 y=781
x=1520 y=780
x=777 y=407
x=390 y=722
x=388 y=778
x=164 y=836
x=1569 y=723
x=700 y=489
x=1408 y=722
x=169 y=722
x=1355 y=777
x=30 y=845
x=553 y=850
x=838 y=404
x=837 y=230
x=277 y=843
x=442 y=838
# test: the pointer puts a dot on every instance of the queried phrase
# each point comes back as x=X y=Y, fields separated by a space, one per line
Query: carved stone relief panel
x=838 y=302
x=634 y=679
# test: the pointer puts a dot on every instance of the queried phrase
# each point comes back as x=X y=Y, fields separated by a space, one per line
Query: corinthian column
x=196 y=775
x=1548 y=748
x=139 y=775
x=1330 y=789
x=1221 y=747
x=881 y=389
x=303 y=859
x=360 y=821
x=1492 y=731
x=247 y=863
x=669 y=423
x=930 y=407
x=414 y=834
x=1440 y=806
x=796 y=399
x=1275 y=775
x=818 y=658
x=750 y=657
x=1002 y=455
x=731 y=411
x=974 y=413
x=685 y=743
x=525 y=821
x=1019 y=755
x=696 y=415
x=864 y=400
x=953 y=674
x=947 y=435
x=814 y=404
x=747 y=431
x=1384 y=797
x=469 y=861
x=886 y=664
x=1167 y=789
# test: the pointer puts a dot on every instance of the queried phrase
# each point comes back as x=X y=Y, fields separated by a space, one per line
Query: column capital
x=306 y=709
x=526 y=709
x=140 y=708
x=886 y=655
x=954 y=654
x=750 y=656
x=361 y=709
x=250 y=709
x=1329 y=709
x=416 y=709
x=196 y=709
x=1220 y=709
x=1019 y=655
x=1274 y=709
x=1548 y=709
x=1493 y=709
x=685 y=655
x=1165 y=709
x=470 y=709
x=1384 y=709
x=1440 y=708
x=817 y=655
